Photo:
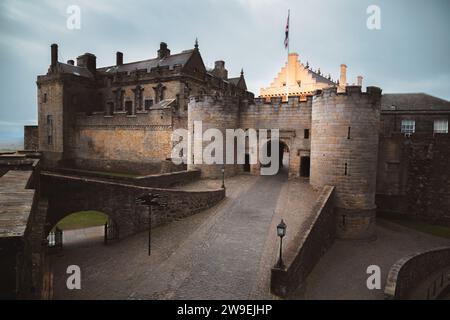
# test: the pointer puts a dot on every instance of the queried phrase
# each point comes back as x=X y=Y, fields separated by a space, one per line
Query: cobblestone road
x=223 y=253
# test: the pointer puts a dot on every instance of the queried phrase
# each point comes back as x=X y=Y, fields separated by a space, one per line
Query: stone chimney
x=163 y=51
x=119 y=58
x=54 y=50
x=71 y=62
x=89 y=61
x=219 y=70
x=343 y=78
x=359 y=81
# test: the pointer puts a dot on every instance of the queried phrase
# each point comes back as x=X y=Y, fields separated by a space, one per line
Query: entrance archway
x=82 y=228
x=284 y=155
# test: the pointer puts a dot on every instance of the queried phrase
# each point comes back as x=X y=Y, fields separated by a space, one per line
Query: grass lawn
x=83 y=219
x=436 y=230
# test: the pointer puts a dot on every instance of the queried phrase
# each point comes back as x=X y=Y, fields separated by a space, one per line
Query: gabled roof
x=413 y=102
x=75 y=70
x=238 y=82
x=320 y=78
x=179 y=59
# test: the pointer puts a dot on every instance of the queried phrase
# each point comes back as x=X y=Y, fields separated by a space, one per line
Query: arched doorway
x=82 y=228
x=283 y=154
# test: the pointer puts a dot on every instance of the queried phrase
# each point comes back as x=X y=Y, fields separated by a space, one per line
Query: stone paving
x=346 y=279
x=223 y=253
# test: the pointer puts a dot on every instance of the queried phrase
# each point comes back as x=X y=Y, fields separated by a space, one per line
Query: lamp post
x=281 y=232
x=150 y=200
x=223 y=176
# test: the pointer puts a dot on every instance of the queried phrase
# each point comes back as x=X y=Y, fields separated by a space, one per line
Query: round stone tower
x=219 y=113
x=344 y=150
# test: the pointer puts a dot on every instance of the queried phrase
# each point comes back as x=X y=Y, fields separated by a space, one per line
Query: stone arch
x=115 y=200
x=284 y=147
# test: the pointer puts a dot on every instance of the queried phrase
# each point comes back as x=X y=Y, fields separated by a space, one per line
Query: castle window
x=408 y=127
x=349 y=132
x=148 y=103
x=346 y=169
x=109 y=108
x=129 y=107
x=306 y=134
x=440 y=126
x=44 y=98
x=49 y=129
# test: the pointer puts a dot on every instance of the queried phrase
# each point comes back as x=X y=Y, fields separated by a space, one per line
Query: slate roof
x=413 y=102
x=75 y=70
x=234 y=81
x=172 y=60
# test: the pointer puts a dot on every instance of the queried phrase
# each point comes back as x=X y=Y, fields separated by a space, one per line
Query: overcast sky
x=411 y=52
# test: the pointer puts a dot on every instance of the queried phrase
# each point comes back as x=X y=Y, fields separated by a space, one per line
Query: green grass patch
x=82 y=219
x=436 y=230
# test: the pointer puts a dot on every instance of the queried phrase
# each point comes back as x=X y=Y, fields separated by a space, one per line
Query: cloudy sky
x=411 y=52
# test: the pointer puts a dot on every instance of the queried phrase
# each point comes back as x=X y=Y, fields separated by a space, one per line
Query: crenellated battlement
x=351 y=91
x=214 y=99
x=277 y=103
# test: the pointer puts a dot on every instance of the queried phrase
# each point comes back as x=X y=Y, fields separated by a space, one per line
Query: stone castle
x=120 y=118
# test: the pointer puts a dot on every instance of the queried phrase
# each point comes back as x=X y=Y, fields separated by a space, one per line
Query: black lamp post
x=223 y=176
x=150 y=200
x=281 y=232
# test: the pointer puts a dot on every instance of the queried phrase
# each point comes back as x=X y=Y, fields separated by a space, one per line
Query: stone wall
x=68 y=194
x=409 y=272
x=50 y=103
x=414 y=177
x=22 y=253
x=344 y=148
x=141 y=138
x=219 y=113
x=163 y=180
x=292 y=119
x=31 y=138
x=303 y=253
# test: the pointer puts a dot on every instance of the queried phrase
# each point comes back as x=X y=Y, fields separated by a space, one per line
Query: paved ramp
x=223 y=253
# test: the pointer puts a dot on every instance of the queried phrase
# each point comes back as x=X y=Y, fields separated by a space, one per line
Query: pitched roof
x=175 y=59
x=75 y=70
x=413 y=102
x=320 y=78
x=234 y=81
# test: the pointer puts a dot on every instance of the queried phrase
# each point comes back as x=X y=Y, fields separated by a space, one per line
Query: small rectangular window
x=49 y=129
x=346 y=169
x=306 y=134
x=408 y=127
x=148 y=103
x=129 y=107
x=109 y=108
x=349 y=132
x=440 y=126
x=44 y=98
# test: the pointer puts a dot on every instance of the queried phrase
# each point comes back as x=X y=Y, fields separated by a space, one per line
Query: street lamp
x=150 y=200
x=281 y=232
x=223 y=176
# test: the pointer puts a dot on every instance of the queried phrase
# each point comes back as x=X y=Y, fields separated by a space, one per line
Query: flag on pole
x=286 y=39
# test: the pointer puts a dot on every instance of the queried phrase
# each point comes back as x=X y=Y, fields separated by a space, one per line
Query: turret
x=344 y=148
